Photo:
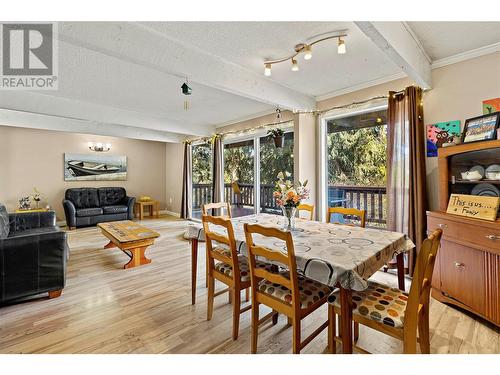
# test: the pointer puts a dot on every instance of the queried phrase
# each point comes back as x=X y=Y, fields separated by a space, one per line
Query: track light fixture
x=267 y=70
x=307 y=50
x=341 y=47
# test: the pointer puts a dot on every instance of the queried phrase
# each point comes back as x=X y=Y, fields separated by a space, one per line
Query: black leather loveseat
x=89 y=206
x=33 y=255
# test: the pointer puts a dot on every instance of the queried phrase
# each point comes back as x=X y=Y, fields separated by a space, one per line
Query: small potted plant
x=278 y=135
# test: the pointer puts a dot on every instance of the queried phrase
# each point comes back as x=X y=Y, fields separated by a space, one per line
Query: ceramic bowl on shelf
x=472 y=175
x=493 y=172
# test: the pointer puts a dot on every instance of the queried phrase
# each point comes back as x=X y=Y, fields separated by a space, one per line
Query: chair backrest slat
x=361 y=214
x=206 y=208
x=229 y=240
x=419 y=296
x=287 y=259
x=306 y=207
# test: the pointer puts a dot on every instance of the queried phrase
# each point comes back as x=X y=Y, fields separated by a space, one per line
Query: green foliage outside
x=238 y=164
x=358 y=157
x=202 y=163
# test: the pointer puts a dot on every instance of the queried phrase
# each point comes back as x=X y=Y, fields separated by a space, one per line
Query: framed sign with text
x=474 y=206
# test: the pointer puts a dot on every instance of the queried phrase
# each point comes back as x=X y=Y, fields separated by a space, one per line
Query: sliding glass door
x=239 y=177
x=251 y=166
x=356 y=147
x=272 y=161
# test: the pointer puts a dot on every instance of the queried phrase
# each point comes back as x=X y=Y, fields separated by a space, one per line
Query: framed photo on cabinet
x=481 y=128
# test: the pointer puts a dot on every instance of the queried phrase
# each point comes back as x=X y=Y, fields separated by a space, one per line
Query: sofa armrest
x=130 y=201
x=33 y=263
x=31 y=220
x=70 y=213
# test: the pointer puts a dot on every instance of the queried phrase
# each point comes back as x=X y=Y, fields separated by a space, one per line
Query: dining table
x=338 y=255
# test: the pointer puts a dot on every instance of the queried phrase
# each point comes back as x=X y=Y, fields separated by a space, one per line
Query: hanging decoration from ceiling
x=186 y=90
x=306 y=49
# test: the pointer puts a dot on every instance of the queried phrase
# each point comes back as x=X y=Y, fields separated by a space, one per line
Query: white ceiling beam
x=399 y=43
x=139 y=44
x=62 y=107
x=30 y=120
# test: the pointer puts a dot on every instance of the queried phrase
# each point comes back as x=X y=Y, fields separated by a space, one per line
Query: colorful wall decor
x=491 y=105
x=440 y=133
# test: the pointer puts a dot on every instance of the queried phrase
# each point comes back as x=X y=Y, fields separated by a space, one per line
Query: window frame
x=288 y=127
x=322 y=149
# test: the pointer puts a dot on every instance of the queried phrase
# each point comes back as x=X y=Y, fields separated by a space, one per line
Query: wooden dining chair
x=392 y=311
x=206 y=209
x=306 y=207
x=226 y=266
x=350 y=212
x=285 y=292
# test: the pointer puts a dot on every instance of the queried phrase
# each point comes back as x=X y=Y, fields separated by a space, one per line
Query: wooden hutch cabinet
x=467 y=271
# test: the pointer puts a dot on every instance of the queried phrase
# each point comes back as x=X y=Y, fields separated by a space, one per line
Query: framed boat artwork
x=82 y=167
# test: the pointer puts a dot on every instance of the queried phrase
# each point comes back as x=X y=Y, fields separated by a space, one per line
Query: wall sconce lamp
x=99 y=147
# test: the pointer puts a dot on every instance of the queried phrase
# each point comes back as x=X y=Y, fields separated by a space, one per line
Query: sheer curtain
x=187 y=178
x=406 y=180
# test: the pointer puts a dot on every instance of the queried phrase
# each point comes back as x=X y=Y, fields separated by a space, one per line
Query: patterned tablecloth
x=328 y=253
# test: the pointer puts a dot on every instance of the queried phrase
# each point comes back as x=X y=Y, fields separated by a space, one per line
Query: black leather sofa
x=89 y=206
x=33 y=255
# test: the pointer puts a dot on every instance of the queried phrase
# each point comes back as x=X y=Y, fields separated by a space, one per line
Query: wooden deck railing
x=372 y=199
x=369 y=198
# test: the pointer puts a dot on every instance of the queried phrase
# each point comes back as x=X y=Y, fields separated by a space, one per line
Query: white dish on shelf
x=479 y=169
x=493 y=172
x=472 y=175
x=494 y=176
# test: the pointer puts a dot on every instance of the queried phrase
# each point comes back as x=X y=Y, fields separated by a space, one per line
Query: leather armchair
x=33 y=256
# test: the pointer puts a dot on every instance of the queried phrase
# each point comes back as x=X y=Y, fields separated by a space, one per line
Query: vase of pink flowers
x=288 y=197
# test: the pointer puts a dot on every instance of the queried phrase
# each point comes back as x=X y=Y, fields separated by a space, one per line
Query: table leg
x=141 y=212
x=194 y=268
x=400 y=258
x=138 y=258
x=157 y=209
x=346 y=317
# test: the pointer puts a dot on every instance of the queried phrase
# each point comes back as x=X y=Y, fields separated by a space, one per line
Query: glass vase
x=289 y=215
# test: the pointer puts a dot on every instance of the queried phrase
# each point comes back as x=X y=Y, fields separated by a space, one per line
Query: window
x=356 y=164
x=202 y=177
x=249 y=176
x=239 y=162
x=272 y=161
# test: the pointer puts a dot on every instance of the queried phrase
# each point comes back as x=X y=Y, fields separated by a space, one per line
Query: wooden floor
x=106 y=309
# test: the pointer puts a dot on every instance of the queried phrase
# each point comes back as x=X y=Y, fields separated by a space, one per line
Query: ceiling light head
x=307 y=53
x=267 y=70
x=341 y=47
x=295 y=66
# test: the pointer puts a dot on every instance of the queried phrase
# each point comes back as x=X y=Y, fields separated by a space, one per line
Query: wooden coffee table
x=131 y=238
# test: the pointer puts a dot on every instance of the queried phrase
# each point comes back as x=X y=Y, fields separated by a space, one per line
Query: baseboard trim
x=171 y=213
x=62 y=223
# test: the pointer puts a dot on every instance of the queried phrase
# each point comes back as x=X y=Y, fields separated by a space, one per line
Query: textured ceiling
x=445 y=39
x=250 y=43
x=102 y=80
